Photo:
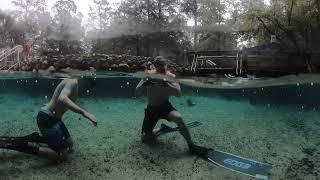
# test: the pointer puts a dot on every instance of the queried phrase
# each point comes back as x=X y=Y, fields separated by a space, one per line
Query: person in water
x=159 y=107
x=55 y=135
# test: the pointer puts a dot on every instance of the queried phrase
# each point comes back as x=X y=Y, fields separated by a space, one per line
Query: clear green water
x=279 y=125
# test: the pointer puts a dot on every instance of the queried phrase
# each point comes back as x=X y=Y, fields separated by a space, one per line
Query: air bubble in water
x=46 y=97
x=88 y=91
x=298 y=84
x=36 y=81
x=128 y=83
x=311 y=84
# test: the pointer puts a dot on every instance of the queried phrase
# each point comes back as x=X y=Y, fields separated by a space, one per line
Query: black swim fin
x=34 y=137
x=20 y=146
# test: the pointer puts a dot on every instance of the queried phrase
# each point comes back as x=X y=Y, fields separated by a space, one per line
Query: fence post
x=18 y=59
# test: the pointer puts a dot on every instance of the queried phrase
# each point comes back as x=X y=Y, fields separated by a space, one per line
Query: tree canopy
x=162 y=27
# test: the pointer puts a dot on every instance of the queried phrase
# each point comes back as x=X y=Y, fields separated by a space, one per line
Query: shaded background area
x=300 y=95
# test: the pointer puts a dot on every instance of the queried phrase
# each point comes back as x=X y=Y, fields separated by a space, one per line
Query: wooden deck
x=257 y=62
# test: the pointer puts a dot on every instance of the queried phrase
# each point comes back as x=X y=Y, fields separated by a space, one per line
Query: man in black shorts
x=159 y=107
x=55 y=135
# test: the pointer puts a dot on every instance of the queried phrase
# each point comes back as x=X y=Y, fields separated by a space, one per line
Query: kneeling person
x=54 y=133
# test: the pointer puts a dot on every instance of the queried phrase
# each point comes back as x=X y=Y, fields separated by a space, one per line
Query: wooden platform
x=253 y=61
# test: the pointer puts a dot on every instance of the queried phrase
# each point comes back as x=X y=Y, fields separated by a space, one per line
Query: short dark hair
x=160 y=63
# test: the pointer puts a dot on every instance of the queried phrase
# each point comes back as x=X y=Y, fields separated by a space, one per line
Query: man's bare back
x=67 y=87
x=63 y=99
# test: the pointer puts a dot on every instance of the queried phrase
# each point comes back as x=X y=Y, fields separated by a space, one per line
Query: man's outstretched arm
x=64 y=98
x=174 y=88
x=141 y=89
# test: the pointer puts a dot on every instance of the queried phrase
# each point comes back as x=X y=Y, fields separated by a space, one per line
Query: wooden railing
x=10 y=58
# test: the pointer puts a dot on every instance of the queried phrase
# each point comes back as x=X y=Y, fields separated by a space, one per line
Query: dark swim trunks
x=53 y=131
x=152 y=114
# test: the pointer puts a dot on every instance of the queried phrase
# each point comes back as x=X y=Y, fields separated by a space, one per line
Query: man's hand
x=152 y=71
x=169 y=73
x=91 y=117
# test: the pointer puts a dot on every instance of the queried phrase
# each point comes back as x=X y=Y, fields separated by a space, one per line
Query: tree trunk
x=195 y=38
x=148 y=10
x=137 y=45
x=159 y=9
x=290 y=12
x=318 y=14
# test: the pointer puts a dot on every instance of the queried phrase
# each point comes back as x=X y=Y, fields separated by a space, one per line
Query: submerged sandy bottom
x=287 y=138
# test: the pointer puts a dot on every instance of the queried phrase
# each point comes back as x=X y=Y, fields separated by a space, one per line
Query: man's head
x=160 y=64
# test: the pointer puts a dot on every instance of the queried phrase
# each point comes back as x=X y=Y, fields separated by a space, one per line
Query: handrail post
x=18 y=59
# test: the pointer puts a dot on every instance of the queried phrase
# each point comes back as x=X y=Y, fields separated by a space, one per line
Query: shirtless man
x=158 y=92
x=54 y=133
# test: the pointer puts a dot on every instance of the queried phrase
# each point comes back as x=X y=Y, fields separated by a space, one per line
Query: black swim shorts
x=53 y=131
x=152 y=114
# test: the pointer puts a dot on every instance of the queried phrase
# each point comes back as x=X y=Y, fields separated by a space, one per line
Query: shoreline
x=216 y=82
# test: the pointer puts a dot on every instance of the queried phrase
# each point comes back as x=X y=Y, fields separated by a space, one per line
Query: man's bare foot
x=151 y=136
x=199 y=150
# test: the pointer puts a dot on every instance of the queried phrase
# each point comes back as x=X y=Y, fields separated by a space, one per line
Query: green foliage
x=65 y=30
x=294 y=22
x=32 y=19
x=100 y=14
x=144 y=28
x=32 y=14
x=159 y=27
x=9 y=33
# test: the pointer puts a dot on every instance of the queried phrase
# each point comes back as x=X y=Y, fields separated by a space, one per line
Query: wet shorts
x=53 y=131
x=152 y=114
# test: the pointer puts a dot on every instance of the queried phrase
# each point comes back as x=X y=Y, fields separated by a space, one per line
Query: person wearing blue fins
x=158 y=92
x=55 y=142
